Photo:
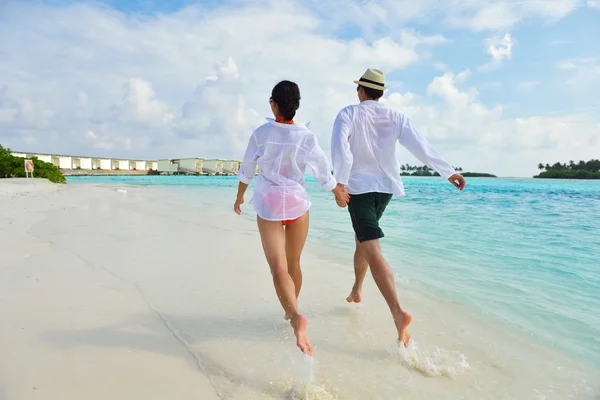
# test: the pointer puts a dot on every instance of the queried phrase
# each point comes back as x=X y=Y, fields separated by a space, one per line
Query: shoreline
x=237 y=328
x=342 y=258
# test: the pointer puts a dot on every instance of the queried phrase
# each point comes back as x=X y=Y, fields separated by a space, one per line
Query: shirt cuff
x=446 y=173
x=243 y=178
x=330 y=184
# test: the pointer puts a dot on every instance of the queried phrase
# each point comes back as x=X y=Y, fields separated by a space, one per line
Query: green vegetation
x=409 y=170
x=573 y=170
x=14 y=167
x=478 y=175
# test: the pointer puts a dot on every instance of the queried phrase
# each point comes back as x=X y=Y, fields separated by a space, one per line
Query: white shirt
x=363 y=149
x=282 y=153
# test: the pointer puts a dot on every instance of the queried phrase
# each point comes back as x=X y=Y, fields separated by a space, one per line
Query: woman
x=283 y=150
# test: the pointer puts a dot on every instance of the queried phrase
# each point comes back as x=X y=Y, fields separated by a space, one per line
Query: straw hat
x=372 y=78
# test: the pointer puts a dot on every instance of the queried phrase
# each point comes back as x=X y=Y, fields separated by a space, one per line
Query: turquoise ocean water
x=523 y=252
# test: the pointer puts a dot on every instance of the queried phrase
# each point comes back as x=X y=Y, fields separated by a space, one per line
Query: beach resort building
x=124 y=165
x=81 y=163
x=49 y=159
x=168 y=166
x=191 y=164
x=119 y=164
x=231 y=166
x=138 y=165
x=84 y=163
x=65 y=162
x=213 y=167
x=101 y=163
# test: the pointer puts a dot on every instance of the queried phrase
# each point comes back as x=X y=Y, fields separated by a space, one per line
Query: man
x=363 y=150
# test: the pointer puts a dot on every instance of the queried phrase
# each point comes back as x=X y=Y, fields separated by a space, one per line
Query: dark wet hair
x=374 y=94
x=287 y=96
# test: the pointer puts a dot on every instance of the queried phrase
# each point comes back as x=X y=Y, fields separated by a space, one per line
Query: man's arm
x=416 y=143
x=341 y=156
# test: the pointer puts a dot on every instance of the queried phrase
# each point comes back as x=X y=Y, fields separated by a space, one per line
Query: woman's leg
x=295 y=238
x=273 y=240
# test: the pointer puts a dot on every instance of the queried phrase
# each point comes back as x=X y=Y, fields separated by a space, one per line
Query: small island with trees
x=572 y=170
x=410 y=170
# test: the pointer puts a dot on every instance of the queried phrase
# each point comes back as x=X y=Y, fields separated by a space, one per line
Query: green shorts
x=366 y=210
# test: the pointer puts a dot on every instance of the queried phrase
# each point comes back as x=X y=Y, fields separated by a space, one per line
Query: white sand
x=136 y=293
x=67 y=330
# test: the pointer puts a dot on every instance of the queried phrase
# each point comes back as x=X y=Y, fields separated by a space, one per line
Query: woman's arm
x=240 y=197
x=246 y=172
x=321 y=168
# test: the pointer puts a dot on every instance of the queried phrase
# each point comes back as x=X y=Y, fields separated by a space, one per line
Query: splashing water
x=305 y=385
x=431 y=362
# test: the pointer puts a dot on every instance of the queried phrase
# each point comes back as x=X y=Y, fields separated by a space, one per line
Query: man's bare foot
x=402 y=323
x=299 y=323
x=287 y=317
x=354 y=296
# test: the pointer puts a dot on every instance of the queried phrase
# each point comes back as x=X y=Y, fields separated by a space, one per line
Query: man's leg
x=273 y=240
x=384 y=278
x=360 y=271
x=366 y=210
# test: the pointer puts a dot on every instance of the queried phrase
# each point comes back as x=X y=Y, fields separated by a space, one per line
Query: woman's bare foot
x=354 y=295
x=402 y=323
x=299 y=323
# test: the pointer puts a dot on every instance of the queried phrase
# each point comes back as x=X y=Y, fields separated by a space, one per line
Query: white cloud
x=475 y=15
x=140 y=105
x=499 y=49
x=478 y=137
x=196 y=82
x=527 y=85
x=593 y=4
x=498 y=15
x=130 y=79
x=583 y=73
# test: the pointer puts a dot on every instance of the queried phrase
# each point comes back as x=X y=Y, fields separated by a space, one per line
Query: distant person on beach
x=363 y=150
x=283 y=151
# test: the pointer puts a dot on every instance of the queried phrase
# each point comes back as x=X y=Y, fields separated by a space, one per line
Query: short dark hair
x=287 y=96
x=374 y=94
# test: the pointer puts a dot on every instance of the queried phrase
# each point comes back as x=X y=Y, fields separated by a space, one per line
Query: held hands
x=238 y=202
x=341 y=196
x=458 y=180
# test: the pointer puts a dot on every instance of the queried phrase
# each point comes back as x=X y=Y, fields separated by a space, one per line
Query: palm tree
x=541 y=166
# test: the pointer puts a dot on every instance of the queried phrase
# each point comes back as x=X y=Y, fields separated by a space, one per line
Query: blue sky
x=113 y=77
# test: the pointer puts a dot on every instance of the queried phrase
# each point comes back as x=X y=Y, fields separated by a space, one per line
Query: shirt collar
x=369 y=102
x=289 y=126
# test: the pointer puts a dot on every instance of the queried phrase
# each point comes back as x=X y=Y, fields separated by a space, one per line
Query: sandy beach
x=127 y=292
